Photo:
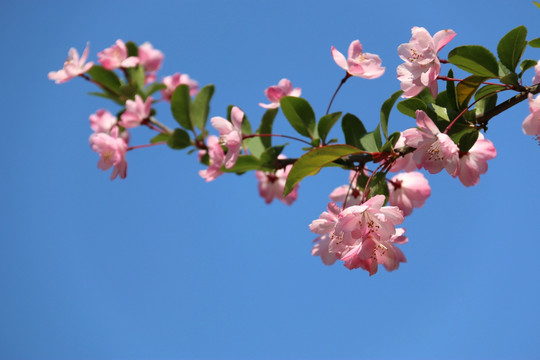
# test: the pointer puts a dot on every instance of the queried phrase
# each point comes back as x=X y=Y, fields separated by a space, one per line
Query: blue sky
x=162 y=265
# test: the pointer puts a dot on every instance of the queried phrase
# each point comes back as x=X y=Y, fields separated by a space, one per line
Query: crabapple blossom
x=358 y=63
x=271 y=185
x=230 y=134
x=405 y=163
x=136 y=111
x=474 y=163
x=112 y=150
x=434 y=150
x=217 y=159
x=422 y=65
x=102 y=121
x=73 y=66
x=348 y=191
x=173 y=81
x=276 y=92
x=149 y=57
x=117 y=57
x=536 y=78
x=408 y=190
x=531 y=124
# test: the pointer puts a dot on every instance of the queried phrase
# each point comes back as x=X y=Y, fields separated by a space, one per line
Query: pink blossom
x=434 y=150
x=230 y=134
x=364 y=65
x=117 y=57
x=217 y=159
x=408 y=190
x=150 y=77
x=271 y=185
x=536 y=78
x=136 y=112
x=405 y=163
x=73 y=66
x=353 y=196
x=276 y=92
x=531 y=124
x=102 y=121
x=172 y=82
x=149 y=57
x=422 y=65
x=112 y=152
x=324 y=226
x=474 y=162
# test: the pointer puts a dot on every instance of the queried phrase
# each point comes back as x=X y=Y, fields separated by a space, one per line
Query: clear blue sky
x=165 y=266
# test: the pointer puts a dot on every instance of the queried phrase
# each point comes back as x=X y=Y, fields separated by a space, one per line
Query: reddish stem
x=145 y=145
x=347 y=75
x=275 y=135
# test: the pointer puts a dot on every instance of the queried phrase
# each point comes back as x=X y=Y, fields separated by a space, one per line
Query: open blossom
x=136 y=111
x=474 y=163
x=405 y=163
x=272 y=184
x=102 y=121
x=408 y=190
x=117 y=57
x=358 y=63
x=112 y=150
x=324 y=226
x=73 y=66
x=230 y=134
x=422 y=65
x=276 y=92
x=149 y=57
x=217 y=159
x=173 y=81
x=434 y=150
x=536 y=78
x=342 y=193
x=531 y=124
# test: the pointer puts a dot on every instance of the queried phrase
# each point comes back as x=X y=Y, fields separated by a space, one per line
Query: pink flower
x=354 y=195
x=405 y=163
x=217 y=159
x=408 y=190
x=117 y=57
x=536 y=78
x=172 y=82
x=271 y=185
x=434 y=150
x=474 y=162
x=531 y=124
x=112 y=152
x=73 y=66
x=422 y=65
x=102 y=121
x=276 y=92
x=324 y=226
x=149 y=77
x=136 y=112
x=230 y=134
x=149 y=57
x=364 y=65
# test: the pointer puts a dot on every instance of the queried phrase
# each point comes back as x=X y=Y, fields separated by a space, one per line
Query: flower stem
x=275 y=135
x=145 y=145
x=160 y=125
x=347 y=75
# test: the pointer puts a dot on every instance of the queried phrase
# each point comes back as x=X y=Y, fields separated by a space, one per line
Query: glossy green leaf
x=486 y=98
x=385 y=111
x=136 y=76
x=458 y=131
x=510 y=79
x=409 y=106
x=526 y=65
x=378 y=186
x=372 y=141
x=391 y=143
x=511 y=47
x=179 y=139
x=467 y=140
x=353 y=129
x=312 y=162
x=270 y=155
x=465 y=90
x=326 y=123
x=107 y=78
x=451 y=91
x=160 y=138
x=475 y=59
x=200 y=107
x=180 y=106
x=442 y=112
x=267 y=122
x=132 y=49
x=535 y=43
x=128 y=91
x=152 y=88
x=243 y=164
x=299 y=114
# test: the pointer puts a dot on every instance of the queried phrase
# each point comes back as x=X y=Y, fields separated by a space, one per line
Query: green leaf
x=180 y=106
x=462 y=130
x=300 y=115
x=442 y=112
x=526 y=65
x=179 y=139
x=378 y=186
x=132 y=49
x=136 y=76
x=391 y=143
x=535 y=43
x=510 y=79
x=536 y=3
x=107 y=78
x=152 y=88
x=326 y=123
x=451 y=92
x=486 y=98
x=372 y=142
x=467 y=140
x=385 y=111
x=160 y=138
x=409 y=106
x=200 y=107
x=465 y=90
x=353 y=129
x=511 y=47
x=311 y=163
x=128 y=91
x=266 y=127
x=475 y=59
x=243 y=164
x=269 y=156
